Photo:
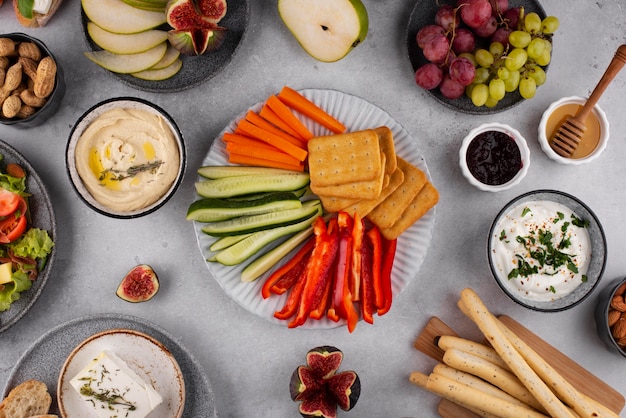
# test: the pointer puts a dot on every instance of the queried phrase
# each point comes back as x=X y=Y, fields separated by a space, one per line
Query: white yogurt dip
x=541 y=250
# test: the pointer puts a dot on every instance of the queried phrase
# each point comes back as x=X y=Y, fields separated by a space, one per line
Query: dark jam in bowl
x=493 y=158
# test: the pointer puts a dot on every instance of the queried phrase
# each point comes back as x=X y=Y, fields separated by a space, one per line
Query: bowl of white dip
x=125 y=157
x=547 y=250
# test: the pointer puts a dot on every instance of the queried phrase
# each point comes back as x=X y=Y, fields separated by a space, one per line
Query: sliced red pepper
x=317 y=272
x=389 y=253
x=358 y=230
x=375 y=241
x=342 y=266
x=291 y=304
x=320 y=306
x=283 y=278
x=288 y=279
x=368 y=301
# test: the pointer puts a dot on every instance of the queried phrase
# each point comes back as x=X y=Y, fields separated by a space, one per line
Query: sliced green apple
x=171 y=55
x=121 y=43
x=327 y=29
x=118 y=17
x=159 y=74
x=128 y=63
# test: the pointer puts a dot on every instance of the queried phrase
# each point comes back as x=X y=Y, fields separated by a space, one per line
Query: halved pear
x=118 y=17
x=121 y=43
x=159 y=74
x=151 y=5
x=128 y=63
x=171 y=55
x=327 y=29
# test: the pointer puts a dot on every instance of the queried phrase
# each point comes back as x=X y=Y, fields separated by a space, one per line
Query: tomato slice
x=12 y=228
x=8 y=202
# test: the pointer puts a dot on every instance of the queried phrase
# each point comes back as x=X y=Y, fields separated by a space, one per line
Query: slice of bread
x=30 y=398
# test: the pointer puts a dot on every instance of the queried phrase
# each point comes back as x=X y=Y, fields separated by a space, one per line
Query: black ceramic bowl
x=596 y=262
x=602 y=316
x=55 y=98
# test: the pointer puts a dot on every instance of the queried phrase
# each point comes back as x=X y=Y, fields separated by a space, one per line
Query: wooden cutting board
x=579 y=377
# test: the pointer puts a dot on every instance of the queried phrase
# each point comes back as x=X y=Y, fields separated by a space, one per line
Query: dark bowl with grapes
x=442 y=55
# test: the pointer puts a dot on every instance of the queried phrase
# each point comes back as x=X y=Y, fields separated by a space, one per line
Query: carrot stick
x=263 y=135
x=269 y=115
x=283 y=112
x=261 y=152
x=260 y=162
x=257 y=120
x=247 y=141
x=298 y=102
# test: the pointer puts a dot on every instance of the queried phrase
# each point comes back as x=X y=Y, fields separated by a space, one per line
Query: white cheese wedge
x=42 y=6
x=112 y=389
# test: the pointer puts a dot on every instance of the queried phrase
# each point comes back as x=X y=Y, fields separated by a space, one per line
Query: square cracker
x=364 y=207
x=385 y=139
x=389 y=210
x=426 y=199
x=368 y=189
x=344 y=158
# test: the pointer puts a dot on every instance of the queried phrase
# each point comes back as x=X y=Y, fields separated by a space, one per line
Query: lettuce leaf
x=12 y=290
x=35 y=243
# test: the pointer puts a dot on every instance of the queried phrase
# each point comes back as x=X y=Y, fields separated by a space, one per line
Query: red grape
x=499 y=6
x=446 y=17
x=463 y=41
x=436 y=48
x=501 y=35
x=475 y=12
x=428 y=76
x=462 y=70
x=511 y=17
x=488 y=28
x=426 y=32
x=451 y=89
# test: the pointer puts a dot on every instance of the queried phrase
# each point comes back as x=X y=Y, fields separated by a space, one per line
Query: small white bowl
x=520 y=141
x=545 y=125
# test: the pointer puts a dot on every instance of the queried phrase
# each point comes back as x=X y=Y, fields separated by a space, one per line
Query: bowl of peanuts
x=31 y=81
x=610 y=315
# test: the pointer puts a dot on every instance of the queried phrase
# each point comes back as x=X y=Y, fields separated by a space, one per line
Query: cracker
x=344 y=158
x=385 y=140
x=364 y=207
x=425 y=200
x=389 y=210
x=369 y=189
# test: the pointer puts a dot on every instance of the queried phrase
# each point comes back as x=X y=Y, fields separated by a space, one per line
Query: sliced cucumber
x=240 y=252
x=263 y=263
x=254 y=223
x=220 y=209
x=227 y=241
x=242 y=185
x=222 y=171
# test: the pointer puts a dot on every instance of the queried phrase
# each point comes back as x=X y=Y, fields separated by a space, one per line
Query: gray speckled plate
x=195 y=70
x=424 y=14
x=45 y=358
x=42 y=216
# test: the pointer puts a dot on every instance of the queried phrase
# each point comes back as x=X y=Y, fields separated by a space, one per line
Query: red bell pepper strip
x=291 y=305
x=283 y=278
x=368 y=301
x=317 y=271
x=342 y=266
x=389 y=253
x=375 y=242
x=321 y=304
x=358 y=231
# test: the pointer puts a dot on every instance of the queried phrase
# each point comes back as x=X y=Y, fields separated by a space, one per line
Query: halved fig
x=139 y=285
x=213 y=10
x=184 y=15
x=325 y=360
x=196 y=41
x=346 y=388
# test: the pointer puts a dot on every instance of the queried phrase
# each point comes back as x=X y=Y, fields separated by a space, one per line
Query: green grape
x=496 y=49
x=503 y=73
x=550 y=24
x=516 y=59
x=491 y=102
x=479 y=94
x=468 y=90
x=544 y=58
x=481 y=75
x=532 y=23
x=535 y=48
x=470 y=57
x=538 y=74
x=519 y=38
x=483 y=57
x=496 y=89
x=547 y=45
x=512 y=82
x=527 y=87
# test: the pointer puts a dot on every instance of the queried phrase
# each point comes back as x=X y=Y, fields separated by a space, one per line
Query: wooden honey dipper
x=567 y=136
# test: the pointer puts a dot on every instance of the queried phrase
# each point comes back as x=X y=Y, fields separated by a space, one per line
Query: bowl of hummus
x=547 y=250
x=125 y=157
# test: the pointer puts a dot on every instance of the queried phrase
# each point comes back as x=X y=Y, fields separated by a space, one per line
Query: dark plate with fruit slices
x=423 y=14
x=195 y=70
x=42 y=216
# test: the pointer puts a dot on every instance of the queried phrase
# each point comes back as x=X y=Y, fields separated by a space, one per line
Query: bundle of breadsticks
x=506 y=378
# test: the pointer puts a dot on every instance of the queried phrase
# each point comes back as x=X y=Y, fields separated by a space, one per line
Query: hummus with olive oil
x=127 y=158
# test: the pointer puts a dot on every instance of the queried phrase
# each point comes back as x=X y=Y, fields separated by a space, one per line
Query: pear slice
x=128 y=63
x=118 y=17
x=151 y=5
x=120 y=43
x=327 y=29
x=161 y=73
x=171 y=55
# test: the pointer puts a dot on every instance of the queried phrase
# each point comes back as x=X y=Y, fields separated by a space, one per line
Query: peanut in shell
x=46 y=76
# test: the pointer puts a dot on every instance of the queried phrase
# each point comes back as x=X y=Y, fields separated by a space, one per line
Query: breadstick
x=446 y=342
x=480 y=315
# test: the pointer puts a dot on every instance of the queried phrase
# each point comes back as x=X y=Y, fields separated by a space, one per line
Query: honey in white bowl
x=590 y=139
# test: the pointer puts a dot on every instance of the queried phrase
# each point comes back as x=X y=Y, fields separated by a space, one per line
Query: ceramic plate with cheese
x=121 y=372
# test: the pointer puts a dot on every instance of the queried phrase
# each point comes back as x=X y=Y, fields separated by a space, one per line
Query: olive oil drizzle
x=119 y=175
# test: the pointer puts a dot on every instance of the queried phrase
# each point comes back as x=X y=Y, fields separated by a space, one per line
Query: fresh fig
x=196 y=41
x=213 y=10
x=184 y=15
x=319 y=388
x=139 y=285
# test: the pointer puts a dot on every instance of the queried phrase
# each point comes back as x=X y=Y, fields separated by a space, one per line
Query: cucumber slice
x=242 y=185
x=227 y=241
x=222 y=171
x=254 y=223
x=240 y=252
x=220 y=209
x=263 y=263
